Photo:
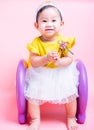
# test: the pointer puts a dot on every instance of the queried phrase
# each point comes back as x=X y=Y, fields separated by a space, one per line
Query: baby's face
x=49 y=22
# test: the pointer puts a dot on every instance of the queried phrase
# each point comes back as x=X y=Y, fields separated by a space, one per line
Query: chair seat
x=82 y=90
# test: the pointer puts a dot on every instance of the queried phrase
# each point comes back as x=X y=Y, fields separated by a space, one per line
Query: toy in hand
x=63 y=49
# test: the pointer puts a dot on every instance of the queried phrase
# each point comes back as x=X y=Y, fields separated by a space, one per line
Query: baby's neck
x=44 y=39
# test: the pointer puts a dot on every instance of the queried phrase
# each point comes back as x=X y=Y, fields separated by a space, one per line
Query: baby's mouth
x=49 y=30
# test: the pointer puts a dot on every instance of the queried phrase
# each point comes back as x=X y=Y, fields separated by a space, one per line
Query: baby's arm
x=37 y=61
x=64 y=61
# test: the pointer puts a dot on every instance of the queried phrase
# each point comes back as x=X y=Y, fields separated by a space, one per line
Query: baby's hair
x=45 y=6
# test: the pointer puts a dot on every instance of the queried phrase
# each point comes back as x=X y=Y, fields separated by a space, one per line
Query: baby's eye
x=54 y=20
x=44 y=21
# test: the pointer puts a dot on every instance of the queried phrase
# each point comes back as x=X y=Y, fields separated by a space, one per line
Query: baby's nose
x=49 y=23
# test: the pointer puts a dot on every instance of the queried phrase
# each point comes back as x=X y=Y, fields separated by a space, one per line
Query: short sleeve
x=33 y=46
x=71 y=42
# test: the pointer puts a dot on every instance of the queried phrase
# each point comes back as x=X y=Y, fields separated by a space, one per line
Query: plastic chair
x=81 y=100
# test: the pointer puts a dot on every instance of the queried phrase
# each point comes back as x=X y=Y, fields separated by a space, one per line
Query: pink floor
x=16 y=27
x=52 y=116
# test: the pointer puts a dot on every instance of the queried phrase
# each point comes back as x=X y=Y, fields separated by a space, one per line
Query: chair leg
x=21 y=101
x=83 y=93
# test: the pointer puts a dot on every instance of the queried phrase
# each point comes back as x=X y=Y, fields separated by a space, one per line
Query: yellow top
x=41 y=48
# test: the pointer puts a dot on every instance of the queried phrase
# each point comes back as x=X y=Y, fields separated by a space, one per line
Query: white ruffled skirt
x=53 y=85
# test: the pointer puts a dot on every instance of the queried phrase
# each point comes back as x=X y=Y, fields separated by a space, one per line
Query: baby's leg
x=71 y=115
x=34 y=112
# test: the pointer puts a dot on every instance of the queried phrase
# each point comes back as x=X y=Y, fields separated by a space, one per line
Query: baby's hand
x=58 y=62
x=62 y=62
x=52 y=56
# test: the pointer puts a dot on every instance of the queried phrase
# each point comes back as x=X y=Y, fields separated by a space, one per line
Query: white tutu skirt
x=53 y=85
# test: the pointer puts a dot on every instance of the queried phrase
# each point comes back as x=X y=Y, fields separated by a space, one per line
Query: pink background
x=16 y=30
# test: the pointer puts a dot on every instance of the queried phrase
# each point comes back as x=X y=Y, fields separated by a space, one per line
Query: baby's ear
x=62 y=23
x=36 y=25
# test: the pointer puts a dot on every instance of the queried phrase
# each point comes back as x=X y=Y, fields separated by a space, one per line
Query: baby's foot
x=34 y=125
x=72 y=124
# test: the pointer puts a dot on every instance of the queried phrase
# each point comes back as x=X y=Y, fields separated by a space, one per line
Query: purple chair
x=81 y=100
